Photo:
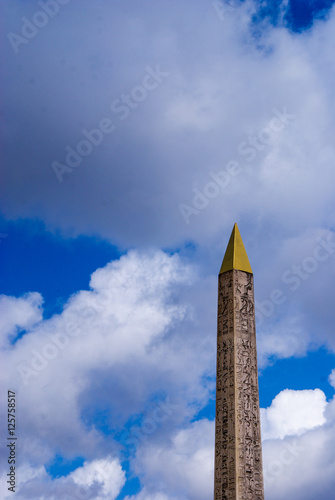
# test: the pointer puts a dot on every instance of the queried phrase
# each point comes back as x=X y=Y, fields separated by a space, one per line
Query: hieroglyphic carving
x=238 y=453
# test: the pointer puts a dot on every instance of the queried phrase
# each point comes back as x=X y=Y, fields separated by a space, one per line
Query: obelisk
x=238 y=447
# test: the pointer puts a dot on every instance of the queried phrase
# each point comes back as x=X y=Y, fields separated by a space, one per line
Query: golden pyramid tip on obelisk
x=236 y=256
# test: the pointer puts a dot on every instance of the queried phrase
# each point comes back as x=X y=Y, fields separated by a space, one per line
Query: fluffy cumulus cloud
x=293 y=412
x=18 y=314
x=301 y=465
x=108 y=474
x=97 y=480
x=132 y=336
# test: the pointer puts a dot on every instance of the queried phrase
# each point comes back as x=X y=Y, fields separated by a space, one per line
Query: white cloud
x=24 y=473
x=302 y=467
x=293 y=412
x=107 y=473
x=101 y=479
x=18 y=314
x=283 y=340
x=134 y=334
x=183 y=468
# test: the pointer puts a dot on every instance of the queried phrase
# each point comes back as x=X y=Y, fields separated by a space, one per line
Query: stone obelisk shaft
x=238 y=452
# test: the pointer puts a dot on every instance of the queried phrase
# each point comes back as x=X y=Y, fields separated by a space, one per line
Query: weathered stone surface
x=238 y=451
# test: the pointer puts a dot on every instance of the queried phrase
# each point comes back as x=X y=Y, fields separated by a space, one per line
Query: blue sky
x=134 y=136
